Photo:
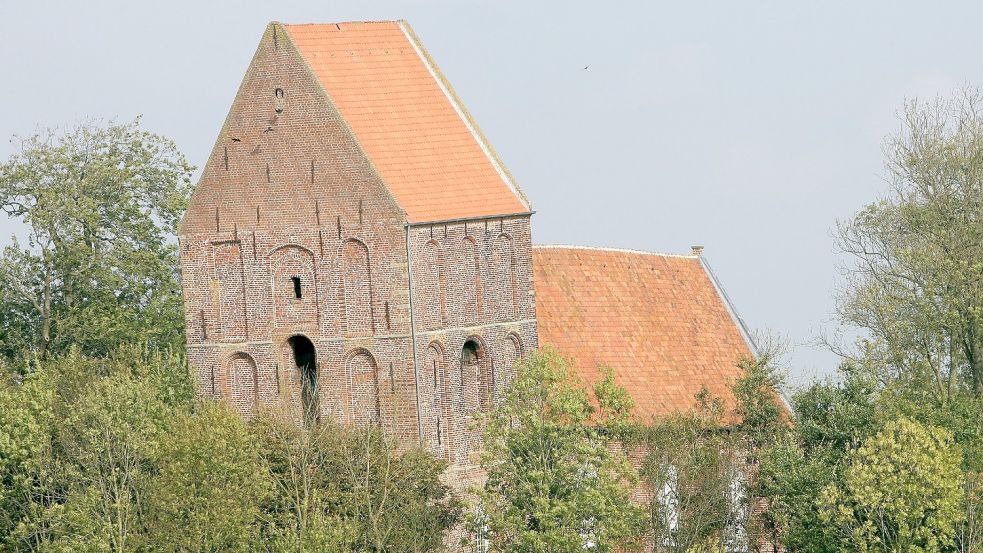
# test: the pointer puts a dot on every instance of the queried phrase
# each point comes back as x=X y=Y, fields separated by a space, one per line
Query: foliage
x=917 y=285
x=209 y=484
x=339 y=489
x=759 y=412
x=613 y=415
x=112 y=454
x=796 y=466
x=77 y=438
x=98 y=269
x=696 y=468
x=299 y=510
x=94 y=427
x=554 y=484
x=902 y=491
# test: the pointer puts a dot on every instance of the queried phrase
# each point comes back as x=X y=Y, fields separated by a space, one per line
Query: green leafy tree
x=78 y=438
x=344 y=489
x=902 y=491
x=831 y=418
x=553 y=483
x=209 y=486
x=697 y=470
x=300 y=512
x=99 y=265
x=916 y=286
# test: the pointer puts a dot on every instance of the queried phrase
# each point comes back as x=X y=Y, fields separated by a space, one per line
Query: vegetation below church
x=103 y=446
x=113 y=454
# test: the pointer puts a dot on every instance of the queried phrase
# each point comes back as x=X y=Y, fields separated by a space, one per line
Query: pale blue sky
x=748 y=127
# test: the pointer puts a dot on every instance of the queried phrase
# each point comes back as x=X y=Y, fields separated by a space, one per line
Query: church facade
x=355 y=249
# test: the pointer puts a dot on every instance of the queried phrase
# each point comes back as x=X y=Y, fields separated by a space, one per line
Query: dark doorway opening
x=306 y=359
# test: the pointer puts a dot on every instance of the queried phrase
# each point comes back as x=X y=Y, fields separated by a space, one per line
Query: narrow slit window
x=298 y=293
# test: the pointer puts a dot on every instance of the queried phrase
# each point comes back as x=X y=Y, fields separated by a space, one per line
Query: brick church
x=356 y=249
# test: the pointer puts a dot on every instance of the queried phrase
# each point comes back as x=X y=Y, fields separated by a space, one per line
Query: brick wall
x=292 y=233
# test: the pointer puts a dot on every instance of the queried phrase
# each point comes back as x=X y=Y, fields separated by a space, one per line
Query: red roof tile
x=408 y=120
x=656 y=320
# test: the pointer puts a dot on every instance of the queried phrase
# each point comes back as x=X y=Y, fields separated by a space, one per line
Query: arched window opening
x=298 y=293
x=475 y=362
x=305 y=357
x=469 y=355
x=278 y=100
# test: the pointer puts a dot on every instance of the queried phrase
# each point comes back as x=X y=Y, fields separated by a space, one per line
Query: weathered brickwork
x=300 y=269
x=355 y=250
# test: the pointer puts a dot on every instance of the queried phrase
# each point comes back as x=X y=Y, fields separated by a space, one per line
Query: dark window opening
x=440 y=440
x=298 y=293
x=469 y=355
x=305 y=358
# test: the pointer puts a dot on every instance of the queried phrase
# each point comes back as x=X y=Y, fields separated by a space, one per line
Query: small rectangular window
x=297 y=291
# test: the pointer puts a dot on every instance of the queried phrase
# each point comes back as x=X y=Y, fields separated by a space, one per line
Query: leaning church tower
x=354 y=248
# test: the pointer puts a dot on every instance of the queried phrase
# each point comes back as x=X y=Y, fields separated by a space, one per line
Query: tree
x=917 y=285
x=697 y=469
x=830 y=419
x=78 y=439
x=554 y=484
x=348 y=489
x=101 y=205
x=209 y=486
x=902 y=491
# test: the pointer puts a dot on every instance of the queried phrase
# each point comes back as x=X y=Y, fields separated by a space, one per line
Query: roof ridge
x=602 y=249
x=350 y=22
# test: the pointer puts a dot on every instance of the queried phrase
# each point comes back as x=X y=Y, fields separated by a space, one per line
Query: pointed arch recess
x=471 y=280
x=288 y=262
x=230 y=276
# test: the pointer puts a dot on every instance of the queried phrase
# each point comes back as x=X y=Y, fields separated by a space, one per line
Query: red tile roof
x=408 y=120
x=657 y=320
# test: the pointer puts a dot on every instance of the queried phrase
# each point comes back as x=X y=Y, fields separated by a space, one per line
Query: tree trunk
x=45 y=316
x=976 y=363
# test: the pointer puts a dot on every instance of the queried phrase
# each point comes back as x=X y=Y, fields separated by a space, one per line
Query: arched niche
x=438 y=416
x=293 y=285
x=357 y=288
x=362 y=373
x=469 y=273
x=227 y=263
x=434 y=307
x=504 y=273
x=238 y=383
